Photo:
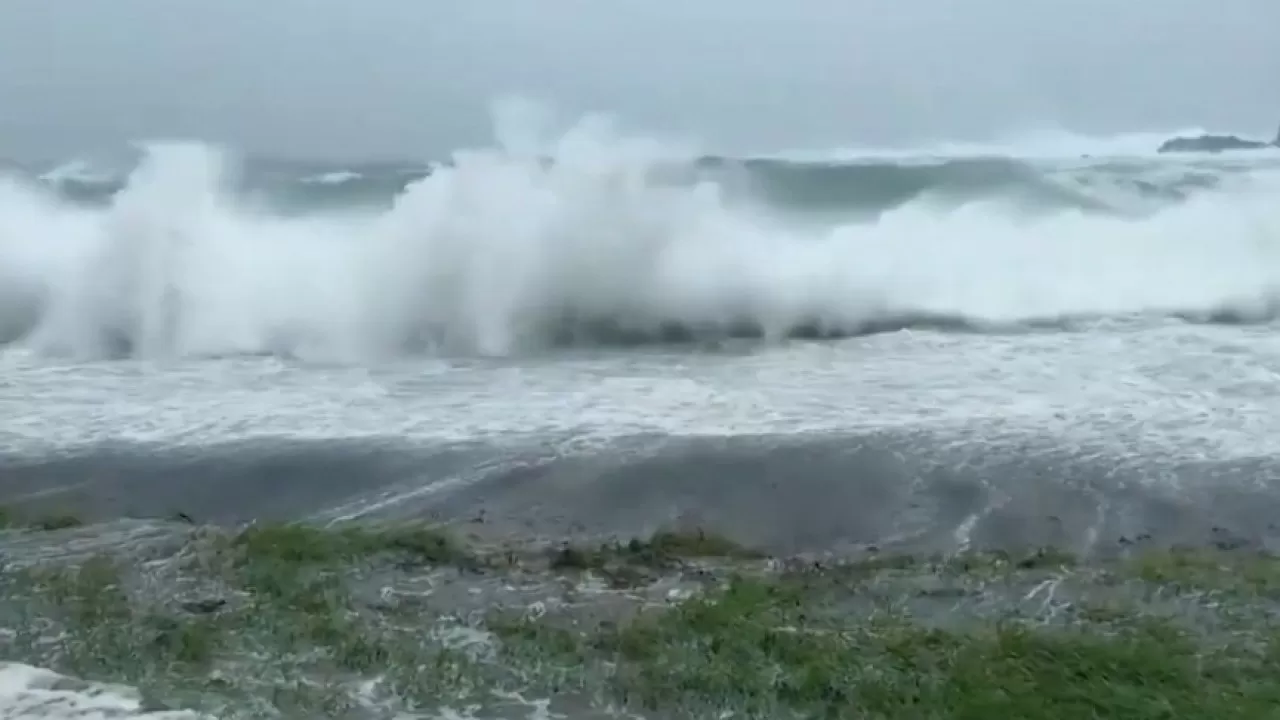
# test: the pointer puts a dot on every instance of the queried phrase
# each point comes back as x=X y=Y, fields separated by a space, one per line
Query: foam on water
x=31 y=693
x=502 y=252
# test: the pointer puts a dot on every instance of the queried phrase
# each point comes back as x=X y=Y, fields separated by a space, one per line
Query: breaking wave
x=596 y=236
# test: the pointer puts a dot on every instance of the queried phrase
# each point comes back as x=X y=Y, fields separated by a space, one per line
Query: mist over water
x=595 y=236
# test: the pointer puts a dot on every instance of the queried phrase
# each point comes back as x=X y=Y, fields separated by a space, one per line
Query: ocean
x=1062 y=340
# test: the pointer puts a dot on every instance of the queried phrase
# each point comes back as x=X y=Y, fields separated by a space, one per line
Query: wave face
x=593 y=236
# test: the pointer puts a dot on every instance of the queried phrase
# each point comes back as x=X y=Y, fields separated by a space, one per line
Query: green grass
x=284 y=622
x=1235 y=572
x=758 y=648
x=105 y=630
x=289 y=613
x=299 y=545
x=13 y=519
x=780 y=645
x=638 y=561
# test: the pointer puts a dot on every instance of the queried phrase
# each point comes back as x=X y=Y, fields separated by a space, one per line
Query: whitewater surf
x=619 y=239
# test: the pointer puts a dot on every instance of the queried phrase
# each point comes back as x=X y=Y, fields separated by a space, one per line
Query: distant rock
x=1210 y=143
x=1214 y=144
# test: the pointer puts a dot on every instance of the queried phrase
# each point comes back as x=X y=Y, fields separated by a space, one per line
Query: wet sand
x=788 y=494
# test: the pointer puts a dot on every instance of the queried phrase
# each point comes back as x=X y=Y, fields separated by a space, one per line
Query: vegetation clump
x=301 y=544
x=294 y=618
x=13 y=519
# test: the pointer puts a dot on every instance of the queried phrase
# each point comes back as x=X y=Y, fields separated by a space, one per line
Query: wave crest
x=501 y=252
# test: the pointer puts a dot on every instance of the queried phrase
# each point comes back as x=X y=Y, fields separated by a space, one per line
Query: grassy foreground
x=293 y=620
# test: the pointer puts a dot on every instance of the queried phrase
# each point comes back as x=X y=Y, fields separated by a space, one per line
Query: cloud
x=397 y=77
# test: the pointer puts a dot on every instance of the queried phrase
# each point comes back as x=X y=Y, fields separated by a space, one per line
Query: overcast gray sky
x=415 y=77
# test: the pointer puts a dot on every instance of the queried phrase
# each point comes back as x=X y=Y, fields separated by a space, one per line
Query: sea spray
x=584 y=238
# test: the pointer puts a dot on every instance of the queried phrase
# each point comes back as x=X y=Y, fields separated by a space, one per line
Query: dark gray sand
x=904 y=491
x=780 y=583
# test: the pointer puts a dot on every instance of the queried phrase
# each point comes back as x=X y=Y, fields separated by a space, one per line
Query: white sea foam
x=500 y=251
x=31 y=693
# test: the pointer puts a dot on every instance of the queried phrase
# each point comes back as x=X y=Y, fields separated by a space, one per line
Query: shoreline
x=368 y=620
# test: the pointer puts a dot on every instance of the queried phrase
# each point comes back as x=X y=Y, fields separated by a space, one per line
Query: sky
x=417 y=78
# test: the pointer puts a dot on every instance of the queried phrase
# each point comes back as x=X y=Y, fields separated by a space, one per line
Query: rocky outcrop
x=1215 y=143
